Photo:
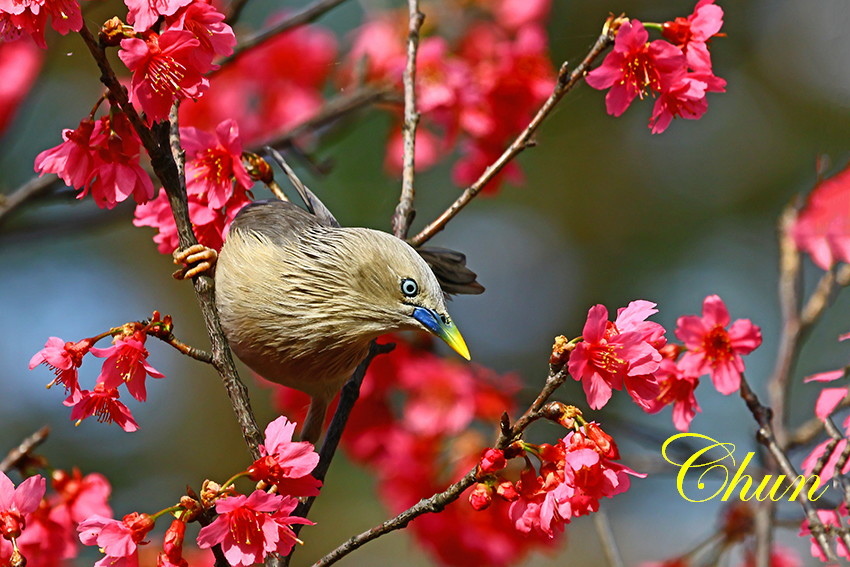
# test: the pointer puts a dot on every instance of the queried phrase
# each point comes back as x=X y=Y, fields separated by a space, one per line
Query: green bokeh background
x=609 y=213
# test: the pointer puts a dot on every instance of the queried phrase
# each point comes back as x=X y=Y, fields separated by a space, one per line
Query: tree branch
x=405 y=212
x=566 y=81
x=23 y=451
x=766 y=436
x=162 y=144
x=436 y=503
x=33 y=188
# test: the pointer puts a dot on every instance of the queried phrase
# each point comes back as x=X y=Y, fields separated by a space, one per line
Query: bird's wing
x=450 y=268
x=279 y=221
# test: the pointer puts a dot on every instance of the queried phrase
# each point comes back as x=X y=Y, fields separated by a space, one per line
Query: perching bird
x=300 y=298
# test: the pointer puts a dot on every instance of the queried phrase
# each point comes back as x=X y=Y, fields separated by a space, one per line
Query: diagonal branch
x=24 y=450
x=404 y=212
x=436 y=503
x=566 y=81
x=162 y=145
x=33 y=188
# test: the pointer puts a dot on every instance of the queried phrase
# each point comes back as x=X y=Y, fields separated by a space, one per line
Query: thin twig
x=162 y=144
x=31 y=189
x=565 y=83
x=437 y=502
x=606 y=538
x=24 y=450
x=307 y=15
x=405 y=212
x=188 y=350
x=766 y=436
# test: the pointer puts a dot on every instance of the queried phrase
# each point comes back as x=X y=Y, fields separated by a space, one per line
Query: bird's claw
x=197 y=259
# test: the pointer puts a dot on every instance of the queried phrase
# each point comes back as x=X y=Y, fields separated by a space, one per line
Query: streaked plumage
x=300 y=298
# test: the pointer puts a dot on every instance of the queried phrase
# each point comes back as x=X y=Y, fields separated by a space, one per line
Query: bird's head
x=392 y=288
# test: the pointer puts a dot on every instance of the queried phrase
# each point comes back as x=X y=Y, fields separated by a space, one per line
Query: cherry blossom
x=214 y=163
x=126 y=363
x=143 y=14
x=63 y=358
x=822 y=229
x=165 y=68
x=118 y=540
x=17 y=502
x=250 y=527
x=691 y=34
x=712 y=348
x=286 y=463
x=102 y=403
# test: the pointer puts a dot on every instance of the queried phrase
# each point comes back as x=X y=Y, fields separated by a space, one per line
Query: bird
x=300 y=298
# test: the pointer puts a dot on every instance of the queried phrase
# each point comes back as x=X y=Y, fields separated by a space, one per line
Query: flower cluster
x=573 y=475
x=102 y=157
x=632 y=353
x=295 y=66
x=217 y=184
x=835 y=518
x=125 y=364
x=476 y=93
x=171 y=63
x=676 y=70
x=248 y=528
x=418 y=447
x=822 y=228
x=42 y=529
x=29 y=17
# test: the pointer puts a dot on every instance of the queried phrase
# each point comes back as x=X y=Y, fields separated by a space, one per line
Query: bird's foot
x=197 y=259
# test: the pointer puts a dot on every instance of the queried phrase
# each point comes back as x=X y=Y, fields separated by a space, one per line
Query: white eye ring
x=409 y=287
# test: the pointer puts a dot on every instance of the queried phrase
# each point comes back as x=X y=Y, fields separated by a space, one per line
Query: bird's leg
x=197 y=259
x=315 y=421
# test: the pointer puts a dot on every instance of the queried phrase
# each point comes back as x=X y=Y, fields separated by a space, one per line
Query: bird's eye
x=409 y=287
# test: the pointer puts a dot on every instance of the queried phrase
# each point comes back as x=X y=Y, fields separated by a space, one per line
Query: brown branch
x=188 y=350
x=162 y=145
x=307 y=15
x=33 y=188
x=24 y=451
x=809 y=430
x=436 y=503
x=764 y=416
x=405 y=212
x=565 y=83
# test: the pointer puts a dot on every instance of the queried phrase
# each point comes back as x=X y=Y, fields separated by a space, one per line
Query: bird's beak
x=446 y=331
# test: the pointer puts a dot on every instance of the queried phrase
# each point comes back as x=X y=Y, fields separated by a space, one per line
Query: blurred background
x=609 y=213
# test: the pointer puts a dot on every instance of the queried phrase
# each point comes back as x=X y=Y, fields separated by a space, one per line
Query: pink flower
x=492 y=461
x=286 y=463
x=441 y=396
x=45 y=542
x=102 y=403
x=79 y=497
x=207 y=25
x=126 y=363
x=822 y=228
x=829 y=398
x=165 y=68
x=30 y=16
x=209 y=225
x=144 y=13
x=73 y=159
x=691 y=34
x=20 y=62
x=214 y=162
x=636 y=68
x=16 y=503
x=607 y=359
x=118 y=540
x=828 y=518
x=676 y=388
x=172 y=546
x=249 y=528
x=63 y=358
x=714 y=350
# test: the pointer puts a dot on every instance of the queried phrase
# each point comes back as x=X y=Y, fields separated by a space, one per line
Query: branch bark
x=33 y=188
x=405 y=212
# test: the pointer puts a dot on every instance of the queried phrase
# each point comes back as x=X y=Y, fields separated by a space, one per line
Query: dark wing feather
x=450 y=268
